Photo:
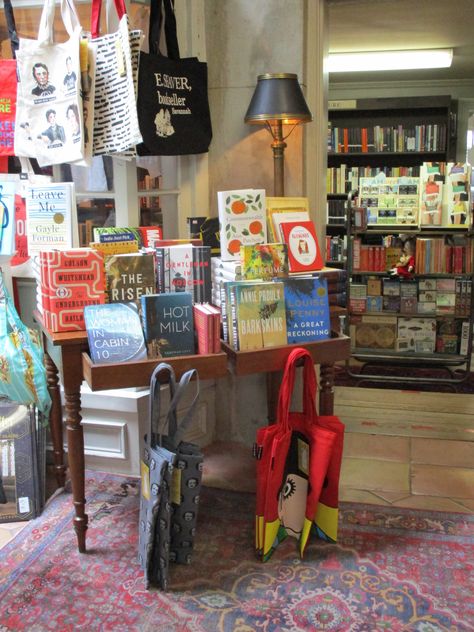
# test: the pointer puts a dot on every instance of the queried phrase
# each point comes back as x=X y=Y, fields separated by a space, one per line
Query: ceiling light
x=390 y=60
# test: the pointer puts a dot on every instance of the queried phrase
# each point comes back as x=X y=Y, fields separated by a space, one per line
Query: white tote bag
x=49 y=120
x=116 y=66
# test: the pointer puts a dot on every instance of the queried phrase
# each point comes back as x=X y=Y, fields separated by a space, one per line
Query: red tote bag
x=295 y=462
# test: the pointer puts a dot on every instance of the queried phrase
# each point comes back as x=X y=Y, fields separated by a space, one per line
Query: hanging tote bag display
x=8 y=81
x=49 y=125
x=171 y=481
x=22 y=373
x=294 y=460
x=173 y=106
x=116 y=65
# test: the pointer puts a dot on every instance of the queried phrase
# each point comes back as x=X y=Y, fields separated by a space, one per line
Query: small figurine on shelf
x=405 y=266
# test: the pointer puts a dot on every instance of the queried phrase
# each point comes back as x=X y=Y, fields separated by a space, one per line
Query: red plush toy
x=405 y=266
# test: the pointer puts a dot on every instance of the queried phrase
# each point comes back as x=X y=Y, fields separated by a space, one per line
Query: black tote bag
x=172 y=104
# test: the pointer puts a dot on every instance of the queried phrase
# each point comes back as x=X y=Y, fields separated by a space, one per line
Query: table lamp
x=278 y=100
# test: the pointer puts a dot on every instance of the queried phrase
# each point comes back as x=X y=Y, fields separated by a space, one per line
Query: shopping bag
x=171 y=480
x=173 y=106
x=49 y=124
x=22 y=372
x=116 y=66
x=294 y=457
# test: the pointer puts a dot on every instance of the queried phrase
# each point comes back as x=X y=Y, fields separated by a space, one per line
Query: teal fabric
x=22 y=372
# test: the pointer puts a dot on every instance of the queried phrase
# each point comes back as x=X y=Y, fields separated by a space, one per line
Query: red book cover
x=75 y=278
x=150 y=232
x=204 y=329
x=304 y=254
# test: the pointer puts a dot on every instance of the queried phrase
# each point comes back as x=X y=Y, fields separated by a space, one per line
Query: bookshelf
x=394 y=135
x=422 y=320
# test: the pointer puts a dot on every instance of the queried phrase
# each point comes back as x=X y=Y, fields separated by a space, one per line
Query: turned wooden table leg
x=56 y=421
x=326 y=389
x=75 y=443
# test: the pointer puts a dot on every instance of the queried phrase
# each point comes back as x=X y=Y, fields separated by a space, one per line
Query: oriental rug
x=393 y=569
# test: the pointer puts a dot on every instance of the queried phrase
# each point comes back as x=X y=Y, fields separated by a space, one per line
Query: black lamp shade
x=278 y=97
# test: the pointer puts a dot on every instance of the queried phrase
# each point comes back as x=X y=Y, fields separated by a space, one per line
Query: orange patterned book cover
x=75 y=278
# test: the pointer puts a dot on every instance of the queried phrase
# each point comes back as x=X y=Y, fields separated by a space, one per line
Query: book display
x=410 y=289
x=393 y=136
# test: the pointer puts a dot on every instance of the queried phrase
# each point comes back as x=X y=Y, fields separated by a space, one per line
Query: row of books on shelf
x=394 y=139
x=434 y=255
x=336 y=248
x=345 y=178
x=442 y=296
x=68 y=280
x=257 y=315
x=336 y=212
x=409 y=335
x=159 y=326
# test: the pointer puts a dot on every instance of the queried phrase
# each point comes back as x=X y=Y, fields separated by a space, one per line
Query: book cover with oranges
x=242 y=220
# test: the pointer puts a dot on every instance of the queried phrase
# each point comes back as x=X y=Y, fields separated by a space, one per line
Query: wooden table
x=67 y=360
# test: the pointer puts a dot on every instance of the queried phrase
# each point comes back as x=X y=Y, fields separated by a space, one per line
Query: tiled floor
x=408 y=472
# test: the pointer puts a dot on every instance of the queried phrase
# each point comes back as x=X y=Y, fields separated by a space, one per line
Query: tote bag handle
x=152 y=436
x=46 y=25
x=95 y=15
x=154 y=32
x=287 y=386
x=14 y=41
x=175 y=431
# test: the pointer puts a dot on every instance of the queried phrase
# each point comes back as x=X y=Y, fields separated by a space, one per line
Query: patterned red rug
x=393 y=570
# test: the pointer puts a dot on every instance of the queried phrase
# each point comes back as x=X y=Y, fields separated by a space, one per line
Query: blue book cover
x=168 y=324
x=307 y=309
x=114 y=332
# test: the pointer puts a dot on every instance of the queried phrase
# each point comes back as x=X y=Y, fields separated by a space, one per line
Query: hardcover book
x=168 y=324
x=114 y=332
x=307 y=310
x=285 y=209
x=304 y=254
x=260 y=314
x=129 y=276
x=143 y=234
x=242 y=220
x=49 y=221
x=264 y=261
x=70 y=280
x=185 y=268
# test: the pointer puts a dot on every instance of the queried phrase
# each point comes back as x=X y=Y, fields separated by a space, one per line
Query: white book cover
x=51 y=217
x=279 y=218
x=242 y=220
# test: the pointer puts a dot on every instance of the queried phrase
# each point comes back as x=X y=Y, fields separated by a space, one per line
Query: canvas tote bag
x=116 y=65
x=49 y=124
x=173 y=106
x=171 y=480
